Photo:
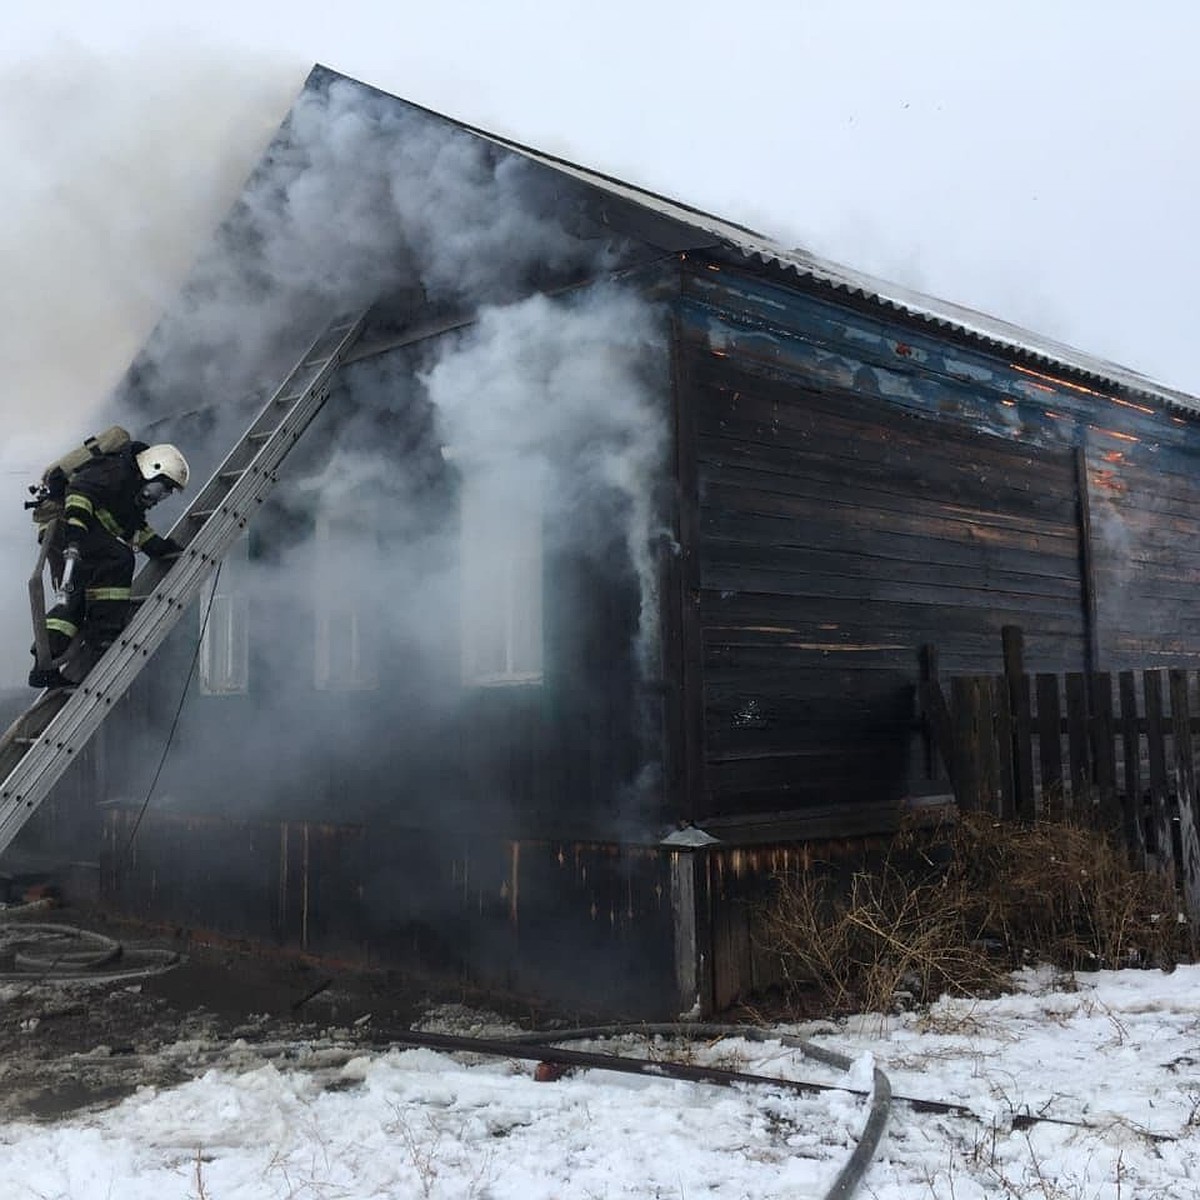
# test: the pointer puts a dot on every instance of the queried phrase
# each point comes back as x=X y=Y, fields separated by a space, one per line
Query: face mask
x=154 y=492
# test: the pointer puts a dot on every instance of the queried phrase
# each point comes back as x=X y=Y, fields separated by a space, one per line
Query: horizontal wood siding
x=1144 y=505
x=839 y=533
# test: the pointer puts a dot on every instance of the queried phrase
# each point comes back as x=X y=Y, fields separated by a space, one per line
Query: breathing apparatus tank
x=50 y=493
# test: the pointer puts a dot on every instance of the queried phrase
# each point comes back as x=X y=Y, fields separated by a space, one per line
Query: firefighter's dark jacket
x=103 y=495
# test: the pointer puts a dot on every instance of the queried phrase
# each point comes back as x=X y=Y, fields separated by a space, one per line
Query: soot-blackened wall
x=861 y=486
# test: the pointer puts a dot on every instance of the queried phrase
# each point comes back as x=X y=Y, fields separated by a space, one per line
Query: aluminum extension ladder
x=40 y=744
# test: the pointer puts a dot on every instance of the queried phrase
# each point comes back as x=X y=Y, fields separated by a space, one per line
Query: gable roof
x=676 y=226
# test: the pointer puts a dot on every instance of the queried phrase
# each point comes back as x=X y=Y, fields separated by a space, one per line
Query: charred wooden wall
x=557 y=758
x=864 y=486
x=852 y=486
x=408 y=822
x=1144 y=523
x=577 y=926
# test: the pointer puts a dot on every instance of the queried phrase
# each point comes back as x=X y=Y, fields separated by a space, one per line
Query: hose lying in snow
x=540 y=1047
x=882 y=1095
x=36 y=952
x=860 y=1158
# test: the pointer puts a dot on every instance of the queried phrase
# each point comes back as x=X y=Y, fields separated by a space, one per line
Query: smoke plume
x=562 y=395
x=116 y=170
x=356 y=574
x=357 y=198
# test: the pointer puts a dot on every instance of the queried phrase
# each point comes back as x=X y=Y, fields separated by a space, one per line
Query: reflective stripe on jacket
x=103 y=494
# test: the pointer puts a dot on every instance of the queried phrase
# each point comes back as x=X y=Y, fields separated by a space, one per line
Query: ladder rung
x=317 y=362
x=202 y=515
x=231 y=476
x=260 y=437
x=288 y=399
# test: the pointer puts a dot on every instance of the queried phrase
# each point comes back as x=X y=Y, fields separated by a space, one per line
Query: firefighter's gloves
x=162 y=547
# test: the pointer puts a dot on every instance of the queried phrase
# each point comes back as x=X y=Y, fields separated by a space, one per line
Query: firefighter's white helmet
x=164 y=460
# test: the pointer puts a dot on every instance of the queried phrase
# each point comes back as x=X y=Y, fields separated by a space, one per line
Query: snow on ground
x=1107 y=1063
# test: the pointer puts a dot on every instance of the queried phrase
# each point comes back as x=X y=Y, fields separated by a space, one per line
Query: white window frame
x=501 y=603
x=225 y=626
x=346 y=644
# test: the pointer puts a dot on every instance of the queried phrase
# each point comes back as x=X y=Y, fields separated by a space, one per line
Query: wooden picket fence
x=1114 y=753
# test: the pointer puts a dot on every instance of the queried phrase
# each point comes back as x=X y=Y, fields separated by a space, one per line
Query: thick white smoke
x=564 y=393
x=360 y=197
x=116 y=170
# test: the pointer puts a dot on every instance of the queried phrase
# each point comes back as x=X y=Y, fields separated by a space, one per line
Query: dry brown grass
x=954 y=909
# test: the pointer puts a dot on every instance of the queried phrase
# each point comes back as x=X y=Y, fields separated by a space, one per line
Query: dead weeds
x=954 y=909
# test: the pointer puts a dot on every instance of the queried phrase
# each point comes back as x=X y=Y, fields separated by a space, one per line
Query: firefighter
x=104 y=524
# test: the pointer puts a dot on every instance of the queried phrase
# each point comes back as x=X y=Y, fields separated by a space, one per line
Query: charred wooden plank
x=1086 y=571
x=723 y=504
x=728 y=562
x=1003 y=802
x=1157 y=727
x=687 y=720
x=730 y=743
x=734 y=398
x=1017 y=683
x=907 y=542
x=939 y=744
x=1078 y=746
x=1049 y=727
x=1131 y=799
x=799 y=771
x=1185 y=792
x=973 y=764
x=936 y=474
x=856 y=620
x=1104 y=751
x=747 y=790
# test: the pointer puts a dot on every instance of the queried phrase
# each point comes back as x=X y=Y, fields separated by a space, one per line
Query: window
x=501 y=580
x=225 y=626
x=346 y=641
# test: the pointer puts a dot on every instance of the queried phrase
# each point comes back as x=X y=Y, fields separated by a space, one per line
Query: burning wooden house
x=597 y=589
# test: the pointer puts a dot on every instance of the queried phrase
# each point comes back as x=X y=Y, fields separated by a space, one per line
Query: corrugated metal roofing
x=978 y=327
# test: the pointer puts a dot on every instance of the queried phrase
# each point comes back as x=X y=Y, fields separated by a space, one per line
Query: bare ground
x=76 y=1041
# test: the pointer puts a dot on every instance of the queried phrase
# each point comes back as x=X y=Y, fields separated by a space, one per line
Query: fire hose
x=41 y=952
x=38 y=952
x=540 y=1047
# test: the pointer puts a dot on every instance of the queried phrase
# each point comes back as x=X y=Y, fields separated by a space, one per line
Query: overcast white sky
x=1036 y=159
